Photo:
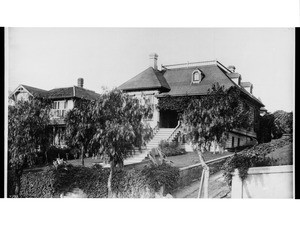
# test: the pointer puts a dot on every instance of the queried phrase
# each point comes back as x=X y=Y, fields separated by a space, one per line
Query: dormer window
x=197 y=76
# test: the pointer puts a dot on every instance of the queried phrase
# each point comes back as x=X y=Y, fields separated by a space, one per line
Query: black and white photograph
x=150 y=112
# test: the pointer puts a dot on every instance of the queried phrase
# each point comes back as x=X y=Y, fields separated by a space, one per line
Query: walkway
x=217 y=188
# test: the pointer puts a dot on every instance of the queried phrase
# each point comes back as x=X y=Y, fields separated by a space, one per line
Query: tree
x=27 y=131
x=209 y=118
x=120 y=128
x=81 y=127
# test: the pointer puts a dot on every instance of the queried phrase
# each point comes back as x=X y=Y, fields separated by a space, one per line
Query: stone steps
x=162 y=134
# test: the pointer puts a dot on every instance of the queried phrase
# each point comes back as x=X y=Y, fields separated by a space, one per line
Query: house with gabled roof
x=189 y=79
x=63 y=100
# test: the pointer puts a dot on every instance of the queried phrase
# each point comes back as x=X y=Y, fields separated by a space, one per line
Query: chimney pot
x=153 y=60
x=231 y=68
x=80 y=82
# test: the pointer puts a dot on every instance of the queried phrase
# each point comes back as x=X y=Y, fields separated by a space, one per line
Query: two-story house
x=189 y=79
x=63 y=99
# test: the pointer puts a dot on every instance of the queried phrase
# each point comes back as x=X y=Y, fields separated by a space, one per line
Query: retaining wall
x=264 y=182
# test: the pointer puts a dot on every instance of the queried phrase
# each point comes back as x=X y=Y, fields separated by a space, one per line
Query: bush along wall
x=254 y=157
x=53 y=182
x=171 y=148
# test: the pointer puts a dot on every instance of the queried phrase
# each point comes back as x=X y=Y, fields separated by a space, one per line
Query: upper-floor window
x=197 y=76
x=60 y=105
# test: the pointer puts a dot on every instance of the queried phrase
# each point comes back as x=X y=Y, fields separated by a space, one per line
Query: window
x=232 y=142
x=56 y=105
x=197 y=76
x=66 y=105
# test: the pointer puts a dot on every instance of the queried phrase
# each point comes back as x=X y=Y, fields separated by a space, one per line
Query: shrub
x=171 y=148
x=131 y=184
x=52 y=182
x=162 y=175
x=243 y=161
x=11 y=183
x=93 y=181
x=38 y=184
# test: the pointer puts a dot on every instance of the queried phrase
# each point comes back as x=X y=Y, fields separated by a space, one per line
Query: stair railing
x=173 y=134
x=155 y=130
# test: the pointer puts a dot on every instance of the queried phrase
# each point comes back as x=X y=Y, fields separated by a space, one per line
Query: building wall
x=149 y=98
x=244 y=140
x=59 y=111
x=22 y=96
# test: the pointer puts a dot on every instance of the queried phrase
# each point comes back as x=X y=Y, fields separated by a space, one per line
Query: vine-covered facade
x=171 y=88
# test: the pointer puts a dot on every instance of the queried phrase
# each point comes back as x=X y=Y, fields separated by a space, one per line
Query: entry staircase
x=168 y=134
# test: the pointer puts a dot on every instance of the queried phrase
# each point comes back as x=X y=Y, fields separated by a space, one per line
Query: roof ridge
x=32 y=87
x=84 y=89
x=189 y=63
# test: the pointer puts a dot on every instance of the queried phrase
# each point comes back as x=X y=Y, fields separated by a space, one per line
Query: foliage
x=119 y=125
x=162 y=175
x=212 y=116
x=170 y=148
x=130 y=184
x=28 y=134
x=27 y=129
x=259 y=155
x=175 y=103
x=284 y=120
x=81 y=127
x=93 y=181
x=273 y=126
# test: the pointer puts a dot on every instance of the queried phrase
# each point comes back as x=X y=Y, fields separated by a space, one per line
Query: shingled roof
x=146 y=80
x=60 y=93
x=178 y=81
x=36 y=92
x=72 y=92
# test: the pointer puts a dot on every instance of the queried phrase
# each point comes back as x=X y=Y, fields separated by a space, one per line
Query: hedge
x=132 y=183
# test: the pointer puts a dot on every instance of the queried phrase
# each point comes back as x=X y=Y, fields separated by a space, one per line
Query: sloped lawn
x=192 y=158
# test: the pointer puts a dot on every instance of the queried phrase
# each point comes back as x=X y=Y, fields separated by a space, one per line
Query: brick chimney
x=153 y=60
x=80 y=82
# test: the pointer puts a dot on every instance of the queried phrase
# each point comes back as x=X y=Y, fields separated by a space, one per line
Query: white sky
x=55 y=57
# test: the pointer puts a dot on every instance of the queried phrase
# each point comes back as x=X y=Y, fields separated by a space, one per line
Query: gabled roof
x=72 y=92
x=60 y=93
x=146 y=80
x=36 y=92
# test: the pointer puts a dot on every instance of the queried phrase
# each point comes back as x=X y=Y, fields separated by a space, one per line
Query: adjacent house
x=189 y=79
x=63 y=99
